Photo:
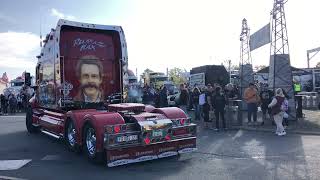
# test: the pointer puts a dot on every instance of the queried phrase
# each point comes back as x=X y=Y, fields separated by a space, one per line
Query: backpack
x=285 y=105
x=277 y=108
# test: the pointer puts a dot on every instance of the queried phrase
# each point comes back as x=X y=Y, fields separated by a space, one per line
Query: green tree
x=259 y=67
x=177 y=76
x=235 y=67
x=144 y=74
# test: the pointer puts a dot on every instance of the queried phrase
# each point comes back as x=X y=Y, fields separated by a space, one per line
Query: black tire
x=71 y=144
x=31 y=128
x=91 y=149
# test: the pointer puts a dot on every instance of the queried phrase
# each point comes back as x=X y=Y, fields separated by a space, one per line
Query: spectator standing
x=276 y=111
x=285 y=108
x=219 y=103
x=209 y=95
x=230 y=92
x=13 y=103
x=205 y=107
x=202 y=100
x=156 y=98
x=252 y=98
x=184 y=98
x=195 y=99
x=2 y=100
x=163 y=97
x=190 y=102
x=4 y=105
x=19 y=106
x=147 y=96
x=266 y=98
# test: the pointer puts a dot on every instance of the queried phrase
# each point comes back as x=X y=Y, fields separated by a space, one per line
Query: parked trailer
x=211 y=74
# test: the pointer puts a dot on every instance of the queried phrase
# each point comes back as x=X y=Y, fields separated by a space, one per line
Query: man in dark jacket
x=184 y=98
x=219 y=103
x=195 y=102
x=266 y=98
x=13 y=103
x=5 y=102
x=163 y=97
x=2 y=100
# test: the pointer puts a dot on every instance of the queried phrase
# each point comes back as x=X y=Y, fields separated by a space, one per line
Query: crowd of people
x=273 y=104
x=11 y=103
x=210 y=102
x=207 y=102
x=202 y=100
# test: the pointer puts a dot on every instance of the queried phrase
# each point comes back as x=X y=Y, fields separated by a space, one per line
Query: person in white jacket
x=277 y=112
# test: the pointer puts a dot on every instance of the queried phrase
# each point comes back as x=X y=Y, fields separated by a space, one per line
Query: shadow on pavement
x=19 y=144
x=255 y=154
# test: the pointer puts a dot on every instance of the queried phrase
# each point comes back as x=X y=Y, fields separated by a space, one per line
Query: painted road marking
x=12 y=116
x=10 y=178
x=13 y=164
x=51 y=158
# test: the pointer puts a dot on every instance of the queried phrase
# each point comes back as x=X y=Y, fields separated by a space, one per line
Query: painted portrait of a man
x=89 y=71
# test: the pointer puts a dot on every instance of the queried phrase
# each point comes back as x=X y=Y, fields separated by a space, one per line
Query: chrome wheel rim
x=91 y=141
x=71 y=134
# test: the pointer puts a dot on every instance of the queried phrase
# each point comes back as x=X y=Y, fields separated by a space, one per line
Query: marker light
x=168 y=138
x=147 y=140
x=182 y=121
x=116 y=129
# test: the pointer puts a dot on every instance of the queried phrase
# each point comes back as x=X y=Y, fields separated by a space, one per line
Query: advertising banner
x=197 y=79
x=260 y=38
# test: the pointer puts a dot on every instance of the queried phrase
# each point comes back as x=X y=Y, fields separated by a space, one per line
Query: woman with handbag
x=277 y=112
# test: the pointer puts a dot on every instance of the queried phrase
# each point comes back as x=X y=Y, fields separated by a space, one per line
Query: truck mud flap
x=117 y=157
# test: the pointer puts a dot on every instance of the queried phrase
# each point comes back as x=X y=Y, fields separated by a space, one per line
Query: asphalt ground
x=232 y=154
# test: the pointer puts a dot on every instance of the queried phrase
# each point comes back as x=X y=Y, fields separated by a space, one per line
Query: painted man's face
x=90 y=79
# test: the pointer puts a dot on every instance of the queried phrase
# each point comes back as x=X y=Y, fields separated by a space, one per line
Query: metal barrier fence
x=234 y=113
x=310 y=100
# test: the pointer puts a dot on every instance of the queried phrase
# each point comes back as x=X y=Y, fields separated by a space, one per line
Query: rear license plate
x=157 y=133
x=127 y=138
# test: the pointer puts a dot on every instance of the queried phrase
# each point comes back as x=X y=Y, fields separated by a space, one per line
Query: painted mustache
x=89 y=85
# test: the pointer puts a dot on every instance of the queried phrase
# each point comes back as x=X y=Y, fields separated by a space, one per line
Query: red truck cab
x=81 y=76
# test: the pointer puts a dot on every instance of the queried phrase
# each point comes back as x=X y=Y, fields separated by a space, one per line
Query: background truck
x=210 y=74
x=81 y=77
x=156 y=79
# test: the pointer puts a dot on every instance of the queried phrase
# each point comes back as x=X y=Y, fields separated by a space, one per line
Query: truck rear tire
x=30 y=127
x=90 y=147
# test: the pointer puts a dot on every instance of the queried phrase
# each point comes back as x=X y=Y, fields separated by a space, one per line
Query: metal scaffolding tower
x=246 y=71
x=279 y=43
x=280 y=71
x=245 y=55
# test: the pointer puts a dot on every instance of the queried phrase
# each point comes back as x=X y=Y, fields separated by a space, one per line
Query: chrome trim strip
x=50 y=134
x=168 y=154
x=187 y=150
x=35 y=125
x=139 y=144
x=120 y=162
x=150 y=157
x=129 y=161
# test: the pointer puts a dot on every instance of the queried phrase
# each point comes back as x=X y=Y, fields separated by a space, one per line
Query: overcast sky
x=160 y=34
